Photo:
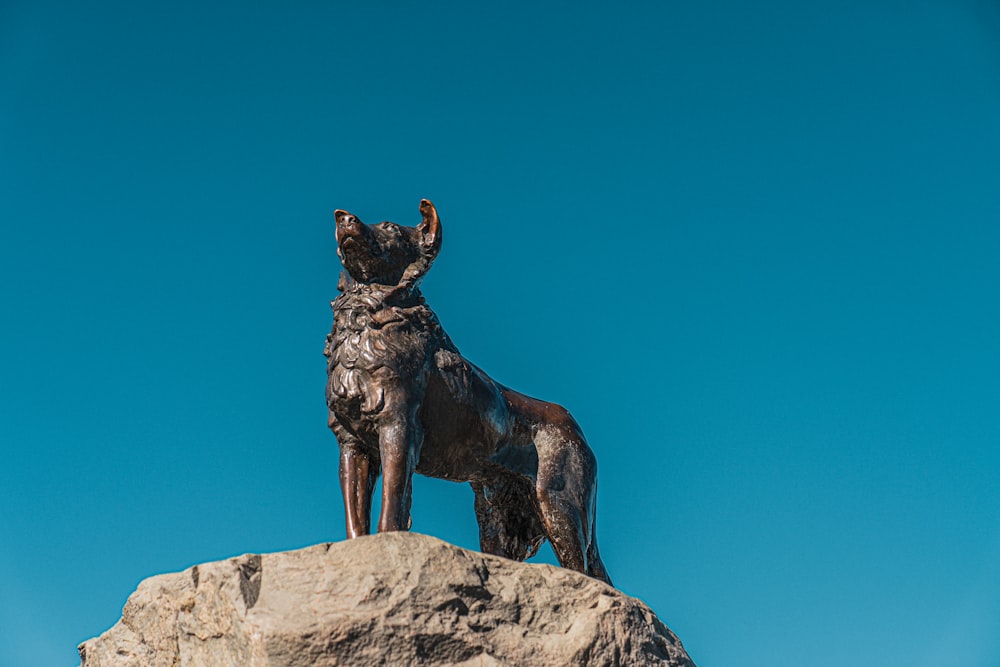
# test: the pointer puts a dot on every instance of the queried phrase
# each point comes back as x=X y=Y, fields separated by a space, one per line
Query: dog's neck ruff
x=365 y=308
x=374 y=297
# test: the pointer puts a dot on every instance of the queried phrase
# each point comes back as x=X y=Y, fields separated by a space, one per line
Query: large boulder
x=388 y=599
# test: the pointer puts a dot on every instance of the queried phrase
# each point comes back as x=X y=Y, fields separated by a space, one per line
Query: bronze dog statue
x=402 y=397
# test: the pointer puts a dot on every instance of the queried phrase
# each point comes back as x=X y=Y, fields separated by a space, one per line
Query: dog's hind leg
x=564 y=525
x=490 y=541
x=567 y=494
x=509 y=524
x=565 y=466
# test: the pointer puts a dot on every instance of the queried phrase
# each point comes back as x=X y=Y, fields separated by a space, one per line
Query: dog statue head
x=387 y=254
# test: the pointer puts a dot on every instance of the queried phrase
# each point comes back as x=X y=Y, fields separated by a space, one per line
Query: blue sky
x=751 y=246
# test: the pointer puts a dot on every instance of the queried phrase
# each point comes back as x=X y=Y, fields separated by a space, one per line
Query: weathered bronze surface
x=402 y=398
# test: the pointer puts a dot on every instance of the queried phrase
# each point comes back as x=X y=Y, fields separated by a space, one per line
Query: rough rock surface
x=389 y=599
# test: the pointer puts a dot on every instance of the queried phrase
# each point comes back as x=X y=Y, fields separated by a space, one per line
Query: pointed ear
x=429 y=228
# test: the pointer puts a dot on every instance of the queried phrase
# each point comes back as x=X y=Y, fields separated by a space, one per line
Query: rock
x=388 y=599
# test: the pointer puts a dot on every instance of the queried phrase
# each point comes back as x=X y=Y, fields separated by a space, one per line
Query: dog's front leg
x=400 y=438
x=358 y=472
x=357 y=481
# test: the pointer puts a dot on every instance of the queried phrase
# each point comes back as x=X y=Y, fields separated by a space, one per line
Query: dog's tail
x=509 y=524
x=595 y=566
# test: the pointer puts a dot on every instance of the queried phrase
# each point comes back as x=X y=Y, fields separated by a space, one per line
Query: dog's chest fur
x=374 y=344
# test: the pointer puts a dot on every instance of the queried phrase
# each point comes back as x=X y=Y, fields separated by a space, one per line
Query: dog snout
x=344 y=218
x=347 y=224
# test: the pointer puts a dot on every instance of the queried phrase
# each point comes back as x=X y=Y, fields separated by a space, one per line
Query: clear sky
x=753 y=247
